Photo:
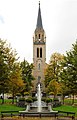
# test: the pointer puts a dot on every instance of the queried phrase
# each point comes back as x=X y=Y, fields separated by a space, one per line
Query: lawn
x=10 y=107
x=66 y=108
x=8 y=101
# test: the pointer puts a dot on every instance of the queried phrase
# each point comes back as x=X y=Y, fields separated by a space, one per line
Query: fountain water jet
x=39 y=98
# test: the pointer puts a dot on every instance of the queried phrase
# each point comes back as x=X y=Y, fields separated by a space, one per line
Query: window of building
x=39 y=36
x=37 y=52
x=40 y=52
x=36 y=36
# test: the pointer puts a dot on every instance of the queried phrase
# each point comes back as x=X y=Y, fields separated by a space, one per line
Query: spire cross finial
x=39 y=3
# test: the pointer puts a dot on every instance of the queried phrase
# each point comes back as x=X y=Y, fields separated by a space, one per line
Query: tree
x=9 y=70
x=16 y=83
x=64 y=88
x=54 y=68
x=70 y=70
x=54 y=87
x=3 y=67
x=27 y=75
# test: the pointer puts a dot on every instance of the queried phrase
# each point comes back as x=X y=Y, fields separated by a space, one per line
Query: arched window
x=36 y=36
x=40 y=52
x=39 y=36
x=42 y=36
x=37 y=52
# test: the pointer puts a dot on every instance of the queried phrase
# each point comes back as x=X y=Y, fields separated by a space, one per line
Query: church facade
x=39 y=53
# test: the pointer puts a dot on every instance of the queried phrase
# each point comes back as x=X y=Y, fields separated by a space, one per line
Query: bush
x=56 y=102
x=21 y=99
x=48 y=100
x=51 y=93
x=29 y=100
x=26 y=93
x=18 y=94
x=34 y=99
x=55 y=99
x=21 y=102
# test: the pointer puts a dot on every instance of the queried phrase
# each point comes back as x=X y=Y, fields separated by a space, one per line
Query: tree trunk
x=13 y=96
x=73 y=99
x=63 y=99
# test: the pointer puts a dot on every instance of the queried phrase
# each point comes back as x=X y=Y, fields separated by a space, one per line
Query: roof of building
x=39 y=19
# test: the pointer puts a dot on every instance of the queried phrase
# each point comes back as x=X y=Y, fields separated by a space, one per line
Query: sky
x=18 y=20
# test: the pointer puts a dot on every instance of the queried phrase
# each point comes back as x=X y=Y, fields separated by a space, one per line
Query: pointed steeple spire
x=39 y=19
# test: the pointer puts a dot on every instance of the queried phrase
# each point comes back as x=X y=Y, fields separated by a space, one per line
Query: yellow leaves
x=54 y=87
x=57 y=57
x=54 y=68
x=15 y=78
x=20 y=83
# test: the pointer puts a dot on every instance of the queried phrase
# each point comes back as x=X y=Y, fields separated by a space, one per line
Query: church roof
x=39 y=19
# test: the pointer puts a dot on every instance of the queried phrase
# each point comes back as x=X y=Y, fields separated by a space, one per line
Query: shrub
x=55 y=99
x=51 y=93
x=21 y=102
x=21 y=99
x=34 y=99
x=56 y=102
x=48 y=100
x=29 y=100
x=26 y=93
x=18 y=94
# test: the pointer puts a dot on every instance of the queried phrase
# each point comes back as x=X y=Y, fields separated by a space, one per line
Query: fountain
x=39 y=107
x=39 y=98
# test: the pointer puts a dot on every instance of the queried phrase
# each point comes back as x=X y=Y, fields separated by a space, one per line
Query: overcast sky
x=18 y=20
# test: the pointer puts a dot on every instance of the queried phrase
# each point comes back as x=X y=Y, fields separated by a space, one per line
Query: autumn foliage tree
x=54 y=87
x=9 y=72
x=52 y=75
x=4 y=71
x=16 y=83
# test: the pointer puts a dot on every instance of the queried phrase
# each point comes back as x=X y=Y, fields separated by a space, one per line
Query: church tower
x=39 y=52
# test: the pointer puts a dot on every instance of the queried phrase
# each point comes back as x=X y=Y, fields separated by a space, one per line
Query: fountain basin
x=35 y=109
x=38 y=114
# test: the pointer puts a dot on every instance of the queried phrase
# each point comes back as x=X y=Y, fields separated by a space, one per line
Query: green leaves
x=10 y=72
x=69 y=72
x=27 y=74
